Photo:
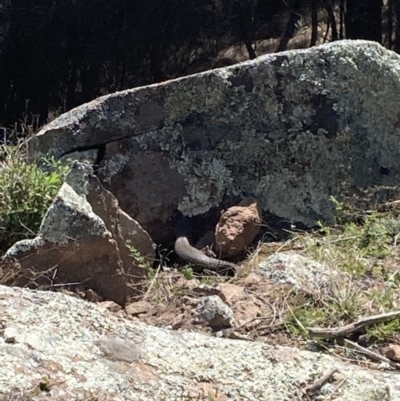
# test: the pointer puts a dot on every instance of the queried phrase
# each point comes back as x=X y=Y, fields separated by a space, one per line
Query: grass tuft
x=26 y=192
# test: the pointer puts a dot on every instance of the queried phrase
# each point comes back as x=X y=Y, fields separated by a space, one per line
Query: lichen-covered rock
x=215 y=312
x=237 y=227
x=85 y=352
x=82 y=241
x=291 y=129
x=302 y=272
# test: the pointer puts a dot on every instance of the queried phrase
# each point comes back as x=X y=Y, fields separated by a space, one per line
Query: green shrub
x=26 y=192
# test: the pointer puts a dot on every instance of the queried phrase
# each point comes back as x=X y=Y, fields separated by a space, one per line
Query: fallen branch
x=318 y=384
x=336 y=332
x=372 y=355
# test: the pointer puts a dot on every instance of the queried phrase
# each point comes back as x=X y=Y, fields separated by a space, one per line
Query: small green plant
x=140 y=259
x=300 y=318
x=373 y=237
x=26 y=192
x=208 y=280
x=343 y=212
x=382 y=331
x=345 y=305
x=187 y=272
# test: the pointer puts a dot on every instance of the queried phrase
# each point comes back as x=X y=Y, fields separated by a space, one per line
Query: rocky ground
x=313 y=315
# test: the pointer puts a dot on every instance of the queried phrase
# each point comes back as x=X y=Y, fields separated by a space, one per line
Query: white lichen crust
x=74 y=344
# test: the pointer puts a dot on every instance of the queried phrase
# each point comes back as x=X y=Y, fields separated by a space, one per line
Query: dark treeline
x=57 y=54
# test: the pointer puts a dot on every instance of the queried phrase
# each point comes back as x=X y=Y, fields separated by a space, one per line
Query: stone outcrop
x=291 y=129
x=82 y=242
x=57 y=347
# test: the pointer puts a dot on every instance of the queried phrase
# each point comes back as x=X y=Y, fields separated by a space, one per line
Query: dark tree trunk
x=332 y=22
x=244 y=15
x=246 y=40
x=363 y=19
x=289 y=32
x=314 y=22
x=341 y=22
x=70 y=101
x=250 y=50
x=396 y=7
x=155 y=66
x=244 y=37
x=122 y=77
x=389 y=35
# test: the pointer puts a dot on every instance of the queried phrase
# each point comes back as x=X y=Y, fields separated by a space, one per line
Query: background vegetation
x=58 y=54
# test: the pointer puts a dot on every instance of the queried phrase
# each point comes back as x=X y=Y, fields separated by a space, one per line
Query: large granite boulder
x=291 y=129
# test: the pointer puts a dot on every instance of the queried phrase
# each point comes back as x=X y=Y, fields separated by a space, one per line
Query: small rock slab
x=215 y=312
x=301 y=272
x=82 y=241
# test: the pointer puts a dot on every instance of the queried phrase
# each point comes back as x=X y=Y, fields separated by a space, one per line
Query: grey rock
x=57 y=337
x=215 y=312
x=302 y=272
x=71 y=217
x=83 y=156
x=10 y=334
x=290 y=129
x=118 y=349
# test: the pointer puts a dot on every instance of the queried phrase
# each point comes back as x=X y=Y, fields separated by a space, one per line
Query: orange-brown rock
x=237 y=228
x=246 y=306
x=231 y=293
x=392 y=351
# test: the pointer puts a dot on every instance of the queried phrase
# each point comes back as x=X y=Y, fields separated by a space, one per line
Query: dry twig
x=372 y=355
x=318 y=384
x=336 y=332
